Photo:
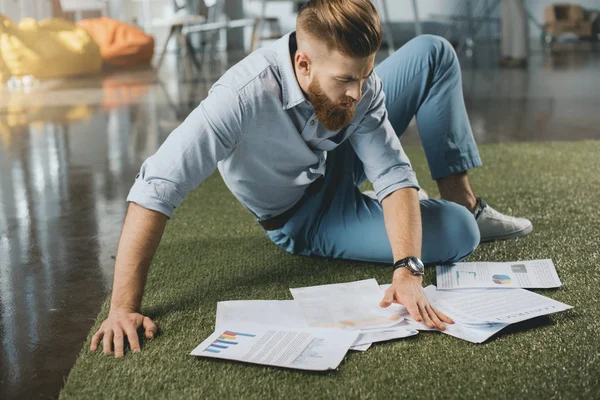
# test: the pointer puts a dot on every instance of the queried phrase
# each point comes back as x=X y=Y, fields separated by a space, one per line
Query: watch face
x=416 y=265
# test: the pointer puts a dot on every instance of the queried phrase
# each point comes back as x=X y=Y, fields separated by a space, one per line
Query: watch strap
x=405 y=263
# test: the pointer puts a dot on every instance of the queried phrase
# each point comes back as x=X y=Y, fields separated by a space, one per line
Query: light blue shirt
x=257 y=127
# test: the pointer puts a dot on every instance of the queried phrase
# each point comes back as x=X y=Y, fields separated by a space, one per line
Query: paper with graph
x=286 y=314
x=351 y=305
x=316 y=329
x=282 y=313
x=307 y=349
x=519 y=274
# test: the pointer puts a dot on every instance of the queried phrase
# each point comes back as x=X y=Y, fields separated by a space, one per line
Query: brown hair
x=352 y=27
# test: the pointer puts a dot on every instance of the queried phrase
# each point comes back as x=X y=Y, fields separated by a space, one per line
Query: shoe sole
x=514 y=235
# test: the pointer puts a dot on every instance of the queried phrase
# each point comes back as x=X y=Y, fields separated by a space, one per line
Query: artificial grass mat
x=214 y=251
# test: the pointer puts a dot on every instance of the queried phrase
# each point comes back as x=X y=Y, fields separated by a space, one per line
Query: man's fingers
x=150 y=328
x=388 y=298
x=118 y=341
x=107 y=341
x=132 y=337
x=96 y=340
x=413 y=310
x=439 y=324
x=443 y=316
x=425 y=316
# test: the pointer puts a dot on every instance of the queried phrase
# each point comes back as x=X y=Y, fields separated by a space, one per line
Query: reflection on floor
x=69 y=152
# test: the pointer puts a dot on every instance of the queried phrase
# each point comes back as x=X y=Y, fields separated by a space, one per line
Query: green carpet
x=213 y=251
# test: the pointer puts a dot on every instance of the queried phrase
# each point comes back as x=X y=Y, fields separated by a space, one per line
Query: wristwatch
x=413 y=264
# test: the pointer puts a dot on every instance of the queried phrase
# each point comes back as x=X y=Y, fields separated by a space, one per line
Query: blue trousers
x=421 y=79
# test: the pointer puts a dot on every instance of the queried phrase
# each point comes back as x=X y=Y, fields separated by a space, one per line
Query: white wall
x=18 y=9
x=402 y=11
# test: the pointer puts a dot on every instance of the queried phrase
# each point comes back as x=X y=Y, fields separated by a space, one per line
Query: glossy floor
x=69 y=152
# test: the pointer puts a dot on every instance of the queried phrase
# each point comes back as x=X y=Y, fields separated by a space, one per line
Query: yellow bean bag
x=121 y=44
x=52 y=48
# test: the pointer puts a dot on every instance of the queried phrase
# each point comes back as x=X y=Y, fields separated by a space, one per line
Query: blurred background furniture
x=567 y=18
x=79 y=6
x=208 y=27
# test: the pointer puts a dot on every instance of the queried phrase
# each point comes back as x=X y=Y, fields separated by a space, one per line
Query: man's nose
x=354 y=94
x=355 y=91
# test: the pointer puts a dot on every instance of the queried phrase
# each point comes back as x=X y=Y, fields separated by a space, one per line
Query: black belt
x=280 y=220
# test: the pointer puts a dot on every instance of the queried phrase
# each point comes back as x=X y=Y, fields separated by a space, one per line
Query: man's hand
x=407 y=290
x=118 y=325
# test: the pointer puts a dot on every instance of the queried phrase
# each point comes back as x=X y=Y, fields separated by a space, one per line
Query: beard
x=333 y=116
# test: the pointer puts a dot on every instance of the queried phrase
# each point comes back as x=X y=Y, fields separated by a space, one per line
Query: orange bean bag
x=121 y=44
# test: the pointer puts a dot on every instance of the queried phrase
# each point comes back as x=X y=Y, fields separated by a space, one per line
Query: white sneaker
x=496 y=226
x=371 y=193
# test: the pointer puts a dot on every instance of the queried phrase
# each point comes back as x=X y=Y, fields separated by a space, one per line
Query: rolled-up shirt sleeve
x=378 y=147
x=191 y=152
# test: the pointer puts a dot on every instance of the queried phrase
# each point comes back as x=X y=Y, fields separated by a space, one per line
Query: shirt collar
x=292 y=93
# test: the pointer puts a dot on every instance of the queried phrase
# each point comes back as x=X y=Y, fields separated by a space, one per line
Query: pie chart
x=501 y=279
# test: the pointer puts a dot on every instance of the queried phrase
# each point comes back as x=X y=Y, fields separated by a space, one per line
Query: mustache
x=348 y=102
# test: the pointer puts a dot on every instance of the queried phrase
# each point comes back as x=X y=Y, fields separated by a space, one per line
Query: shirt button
x=312 y=122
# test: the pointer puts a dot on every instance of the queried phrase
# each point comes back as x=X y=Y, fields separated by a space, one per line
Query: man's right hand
x=117 y=326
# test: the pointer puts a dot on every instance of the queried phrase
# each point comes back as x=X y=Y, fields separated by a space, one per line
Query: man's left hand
x=407 y=290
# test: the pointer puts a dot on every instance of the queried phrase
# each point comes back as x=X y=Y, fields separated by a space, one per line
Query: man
x=294 y=129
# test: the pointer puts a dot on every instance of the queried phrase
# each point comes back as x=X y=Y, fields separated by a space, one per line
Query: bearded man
x=294 y=129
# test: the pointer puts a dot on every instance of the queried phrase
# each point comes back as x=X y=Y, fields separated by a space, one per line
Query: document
x=306 y=349
x=480 y=307
x=470 y=333
x=362 y=347
x=352 y=305
x=369 y=336
x=518 y=274
x=471 y=310
x=287 y=314
x=283 y=313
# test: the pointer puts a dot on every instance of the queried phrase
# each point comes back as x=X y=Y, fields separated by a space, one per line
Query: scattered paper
x=470 y=333
x=471 y=310
x=286 y=314
x=518 y=274
x=381 y=335
x=352 y=305
x=492 y=306
x=282 y=313
x=297 y=333
x=362 y=347
x=307 y=349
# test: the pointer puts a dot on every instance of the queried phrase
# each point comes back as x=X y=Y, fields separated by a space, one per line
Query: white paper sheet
x=282 y=313
x=472 y=333
x=286 y=314
x=352 y=305
x=492 y=306
x=307 y=349
x=518 y=274
x=384 y=334
x=362 y=347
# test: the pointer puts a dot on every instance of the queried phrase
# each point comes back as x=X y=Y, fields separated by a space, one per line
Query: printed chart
x=225 y=340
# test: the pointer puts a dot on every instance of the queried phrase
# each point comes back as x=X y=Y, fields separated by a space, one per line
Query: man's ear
x=303 y=63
